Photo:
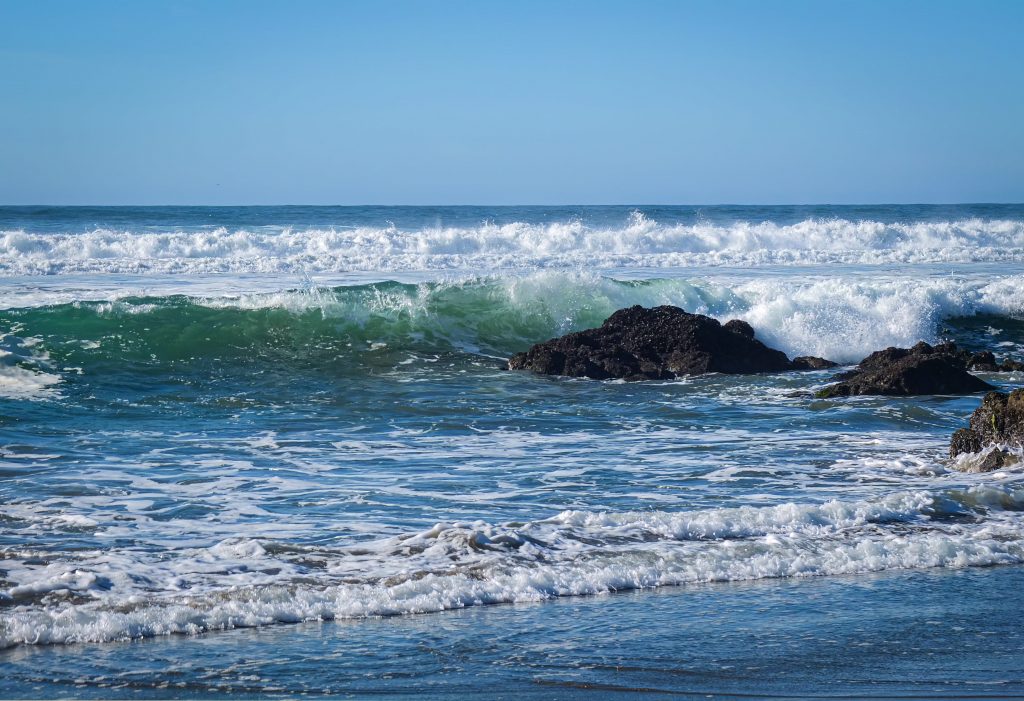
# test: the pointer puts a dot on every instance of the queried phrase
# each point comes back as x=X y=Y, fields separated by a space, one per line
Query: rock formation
x=923 y=369
x=658 y=344
x=998 y=421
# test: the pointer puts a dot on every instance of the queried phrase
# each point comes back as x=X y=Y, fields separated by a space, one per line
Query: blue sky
x=511 y=102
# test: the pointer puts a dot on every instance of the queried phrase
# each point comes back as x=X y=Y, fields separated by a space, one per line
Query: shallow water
x=214 y=419
x=910 y=635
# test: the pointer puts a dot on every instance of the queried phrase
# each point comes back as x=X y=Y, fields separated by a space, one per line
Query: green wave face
x=492 y=318
x=384 y=325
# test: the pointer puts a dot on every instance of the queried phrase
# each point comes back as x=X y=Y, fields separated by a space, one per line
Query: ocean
x=263 y=451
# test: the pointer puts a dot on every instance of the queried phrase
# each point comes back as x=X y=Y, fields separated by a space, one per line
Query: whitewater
x=639 y=242
x=215 y=421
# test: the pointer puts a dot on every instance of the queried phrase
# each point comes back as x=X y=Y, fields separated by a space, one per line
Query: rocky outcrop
x=809 y=362
x=923 y=369
x=985 y=361
x=999 y=421
x=964 y=440
x=995 y=427
x=657 y=344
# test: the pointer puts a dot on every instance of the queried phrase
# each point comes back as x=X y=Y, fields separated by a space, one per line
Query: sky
x=487 y=102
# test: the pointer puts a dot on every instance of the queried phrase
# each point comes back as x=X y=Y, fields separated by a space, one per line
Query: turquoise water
x=217 y=421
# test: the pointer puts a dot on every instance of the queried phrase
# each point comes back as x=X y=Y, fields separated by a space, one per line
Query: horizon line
x=527 y=204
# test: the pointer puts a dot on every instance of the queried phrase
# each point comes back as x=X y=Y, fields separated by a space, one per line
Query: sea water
x=216 y=421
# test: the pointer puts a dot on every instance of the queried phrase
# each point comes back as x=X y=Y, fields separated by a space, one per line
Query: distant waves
x=638 y=242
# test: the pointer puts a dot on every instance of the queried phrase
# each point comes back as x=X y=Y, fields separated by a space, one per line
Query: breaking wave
x=843 y=319
x=641 y=242
x=103 y=596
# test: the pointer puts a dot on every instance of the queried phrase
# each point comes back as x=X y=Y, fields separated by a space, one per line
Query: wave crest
x=842 y=319
x=641 y=242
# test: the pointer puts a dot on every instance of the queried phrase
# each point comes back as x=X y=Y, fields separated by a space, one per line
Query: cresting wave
x=103 y=596
x=843 y=319
x=641 y=242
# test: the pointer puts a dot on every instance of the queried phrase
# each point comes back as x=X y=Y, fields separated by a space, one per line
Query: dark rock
x=964 y=440
x=984 y=361
x=995 y=460
x=739 y=326
x=923 y=369
x=997 y=424
x=654 y=344
x=809 y=362
x=977 y=458
x=998 y=421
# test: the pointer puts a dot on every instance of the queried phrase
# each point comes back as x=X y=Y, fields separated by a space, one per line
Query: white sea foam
x=24 y=370
x=640 y=243
x=22 y=383
x=245 y=582
x=1013 y=457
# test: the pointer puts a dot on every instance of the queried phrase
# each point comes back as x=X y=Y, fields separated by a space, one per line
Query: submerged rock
x=923 y=369
x=657 y=344
x=996 y=460
x=809 y=362
x=999 y=421
x=985 y=361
